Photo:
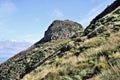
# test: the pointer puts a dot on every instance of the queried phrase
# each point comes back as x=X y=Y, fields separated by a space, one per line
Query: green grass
x=97 y=57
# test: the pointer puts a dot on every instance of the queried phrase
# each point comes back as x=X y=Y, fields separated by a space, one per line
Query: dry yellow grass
x=70 y=60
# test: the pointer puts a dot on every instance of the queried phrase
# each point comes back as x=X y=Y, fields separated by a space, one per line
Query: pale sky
x=26 y=20
x=23 y=22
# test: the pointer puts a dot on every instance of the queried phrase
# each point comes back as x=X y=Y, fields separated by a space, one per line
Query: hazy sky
x=26 y=20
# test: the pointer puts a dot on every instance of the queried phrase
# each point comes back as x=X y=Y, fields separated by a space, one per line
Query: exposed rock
x=26 y=61
x=61 y=29
x=60 y=52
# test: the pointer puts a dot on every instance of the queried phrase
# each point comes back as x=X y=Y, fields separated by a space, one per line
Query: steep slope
x=107 y=24
x=94 y=55
x=99 y=20
x=61 y=29
x=97 y=58
x=26 y=61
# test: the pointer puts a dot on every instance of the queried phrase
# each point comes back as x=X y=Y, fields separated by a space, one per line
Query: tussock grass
x=101 y=60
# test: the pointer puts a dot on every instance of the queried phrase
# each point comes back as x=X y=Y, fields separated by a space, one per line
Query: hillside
x=68 y=52
x=61 y=29
x=26 y=61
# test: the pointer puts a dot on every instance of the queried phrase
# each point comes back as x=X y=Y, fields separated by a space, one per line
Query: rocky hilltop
x=93 y=54
x=61 y=29
x=26 y=61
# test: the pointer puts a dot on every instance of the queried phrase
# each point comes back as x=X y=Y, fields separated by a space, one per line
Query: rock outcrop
x=63 y=53
x=24 y=62
x=61 y=29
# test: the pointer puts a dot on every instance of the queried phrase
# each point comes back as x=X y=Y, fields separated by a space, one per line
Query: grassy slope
x=23 y=63
x=97 y=57
x=78 y=64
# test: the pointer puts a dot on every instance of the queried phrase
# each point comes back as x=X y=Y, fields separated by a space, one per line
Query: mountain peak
x=94 y=55
x=61 y=29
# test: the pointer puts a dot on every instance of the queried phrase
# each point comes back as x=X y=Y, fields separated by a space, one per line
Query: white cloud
x=58 y=13
x=10 y=48
x=92 y=14
x=7 y=7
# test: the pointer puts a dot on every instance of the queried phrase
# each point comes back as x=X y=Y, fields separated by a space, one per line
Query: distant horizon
x=26 y=20
x=10 y=48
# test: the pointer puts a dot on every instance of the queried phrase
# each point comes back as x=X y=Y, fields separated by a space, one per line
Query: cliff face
x=61 y=29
